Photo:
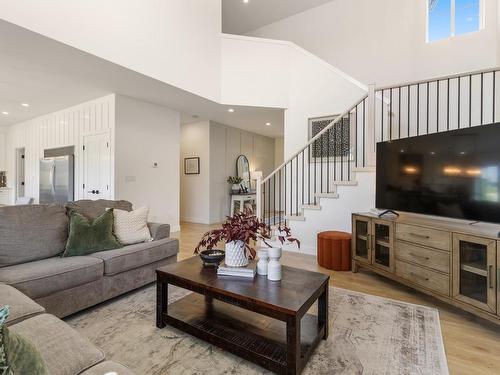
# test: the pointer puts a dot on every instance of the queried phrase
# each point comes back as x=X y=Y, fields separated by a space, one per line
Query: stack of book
x=246 y=272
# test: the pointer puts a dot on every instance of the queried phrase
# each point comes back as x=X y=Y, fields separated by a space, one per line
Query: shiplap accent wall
x=59 y=129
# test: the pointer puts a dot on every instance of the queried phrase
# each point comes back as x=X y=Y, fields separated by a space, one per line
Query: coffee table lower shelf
x=252 y=336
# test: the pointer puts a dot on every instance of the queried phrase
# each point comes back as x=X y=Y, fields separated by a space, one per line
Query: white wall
x=175 y=41
x=279 y=151
x=146 y=133
x=255 y=71
x=277 y=73
x=195 y=189
x=205 y=197
x=59 y=129
x=226 y=144
x=3 y=164
x=498 y=34
x=384 y=41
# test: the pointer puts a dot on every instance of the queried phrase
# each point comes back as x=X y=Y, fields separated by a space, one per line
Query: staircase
x=333 y=175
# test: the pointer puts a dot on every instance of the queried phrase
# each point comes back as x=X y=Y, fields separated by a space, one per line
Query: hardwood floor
x=472 y=344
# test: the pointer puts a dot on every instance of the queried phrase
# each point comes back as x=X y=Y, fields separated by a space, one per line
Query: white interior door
x=96 y=166
x=20 y=178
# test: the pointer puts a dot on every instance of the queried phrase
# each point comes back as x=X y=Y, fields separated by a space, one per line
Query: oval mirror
x=243 y=171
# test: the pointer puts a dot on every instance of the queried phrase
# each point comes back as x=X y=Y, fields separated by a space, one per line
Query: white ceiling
x=240 y=18
x=51 y=76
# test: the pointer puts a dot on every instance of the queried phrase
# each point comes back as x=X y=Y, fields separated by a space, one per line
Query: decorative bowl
x=212 y=258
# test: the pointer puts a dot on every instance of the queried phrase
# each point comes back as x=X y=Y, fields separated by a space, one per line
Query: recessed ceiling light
x=231 y=110
x=25 y=104
x=268 y=124
x=5 y=113
x=246 y=1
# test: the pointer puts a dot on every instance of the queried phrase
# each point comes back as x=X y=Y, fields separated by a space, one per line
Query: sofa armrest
x=159 y=231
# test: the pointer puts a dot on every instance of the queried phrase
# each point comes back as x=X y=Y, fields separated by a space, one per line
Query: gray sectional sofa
x=40 y=284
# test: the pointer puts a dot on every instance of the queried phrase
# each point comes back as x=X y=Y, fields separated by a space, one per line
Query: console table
x=241 y=198
x=454 y=261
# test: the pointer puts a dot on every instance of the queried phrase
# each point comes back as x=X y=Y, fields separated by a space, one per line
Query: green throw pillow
x=88 y=236
x=17 y=354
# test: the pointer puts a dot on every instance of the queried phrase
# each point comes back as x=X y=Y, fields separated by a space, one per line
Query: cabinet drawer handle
x=490 y=276
x=419 y=277
x=420 y=236
x=419 y=256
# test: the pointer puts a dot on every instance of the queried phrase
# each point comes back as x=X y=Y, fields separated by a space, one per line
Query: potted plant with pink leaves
x=240 y=233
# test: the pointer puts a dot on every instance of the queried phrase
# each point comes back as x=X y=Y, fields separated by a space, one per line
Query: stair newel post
x=369 y=141
x=258 y=198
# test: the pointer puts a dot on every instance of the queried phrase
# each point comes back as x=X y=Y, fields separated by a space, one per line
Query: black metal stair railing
x=385 y=114
x=327 y=160
x=437 y=105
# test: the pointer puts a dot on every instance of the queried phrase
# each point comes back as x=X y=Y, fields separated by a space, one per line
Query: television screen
x=454 y=174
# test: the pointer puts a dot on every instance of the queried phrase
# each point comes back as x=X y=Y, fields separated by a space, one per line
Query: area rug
x=368 y=335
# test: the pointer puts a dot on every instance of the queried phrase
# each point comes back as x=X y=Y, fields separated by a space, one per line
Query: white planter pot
x=235 y=254
x=274 y=265
x=263 y=262
x=235 y=188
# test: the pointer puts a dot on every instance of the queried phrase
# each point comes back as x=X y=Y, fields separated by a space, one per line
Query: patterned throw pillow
x=88 y=236
x=17 y=354
x=132 y=227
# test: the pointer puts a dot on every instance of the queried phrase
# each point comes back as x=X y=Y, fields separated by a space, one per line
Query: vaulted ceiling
x=240 y=17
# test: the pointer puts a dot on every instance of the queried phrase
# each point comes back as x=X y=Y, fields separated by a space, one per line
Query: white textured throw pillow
x=132 y=227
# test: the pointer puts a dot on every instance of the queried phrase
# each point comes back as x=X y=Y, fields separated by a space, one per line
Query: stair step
x=295 y=217
x=363 y=169
x=310 y=207
x=326 y=195
x=345 y=183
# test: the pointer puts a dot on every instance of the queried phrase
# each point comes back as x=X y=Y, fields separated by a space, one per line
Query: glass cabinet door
x=474 y=276
x=383 y=249
x=361 y=229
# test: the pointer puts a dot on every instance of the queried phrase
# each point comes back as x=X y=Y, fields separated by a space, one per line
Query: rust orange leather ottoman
x=334 y=250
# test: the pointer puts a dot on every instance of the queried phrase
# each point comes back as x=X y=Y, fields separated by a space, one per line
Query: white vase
x=262 y=264
x=274 y=265
x=236 y=254
x=235 y=188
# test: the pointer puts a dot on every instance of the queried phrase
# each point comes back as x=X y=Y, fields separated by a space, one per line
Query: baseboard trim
x=306 y=250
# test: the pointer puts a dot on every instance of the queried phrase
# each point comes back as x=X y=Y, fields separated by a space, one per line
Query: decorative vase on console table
x=236 y=255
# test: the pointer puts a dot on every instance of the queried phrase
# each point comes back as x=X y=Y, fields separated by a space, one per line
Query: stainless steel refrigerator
x=57 y=179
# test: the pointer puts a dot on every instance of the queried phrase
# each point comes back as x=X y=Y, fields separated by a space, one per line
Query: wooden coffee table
x=261 y=321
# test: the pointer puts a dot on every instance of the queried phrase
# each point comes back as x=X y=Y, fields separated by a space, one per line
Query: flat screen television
x=454 y=174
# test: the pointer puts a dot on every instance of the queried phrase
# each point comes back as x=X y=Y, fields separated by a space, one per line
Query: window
x=447 y=18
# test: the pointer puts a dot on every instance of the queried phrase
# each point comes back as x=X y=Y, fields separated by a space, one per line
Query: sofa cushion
x=31 y=232
x=92 y=209
x=131 y=227
x=43 y=277
x=21 y=306
x=133 y=256
x=87 y=236
x=18 y=355
x=108 y=368
x=63 y=349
